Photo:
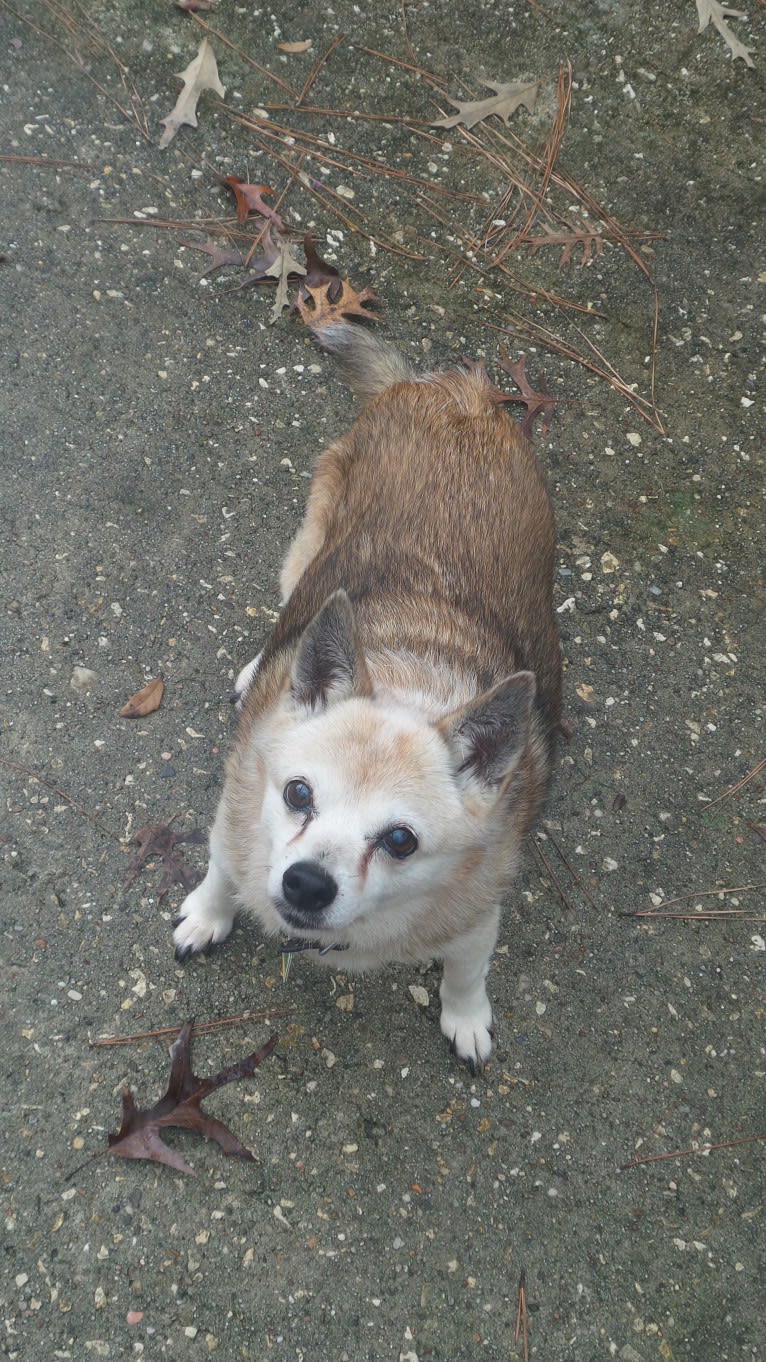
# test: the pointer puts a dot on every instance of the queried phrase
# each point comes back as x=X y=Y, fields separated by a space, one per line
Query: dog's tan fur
x=417 y=604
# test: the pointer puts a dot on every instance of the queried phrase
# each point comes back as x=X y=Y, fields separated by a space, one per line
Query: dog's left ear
x=329 y=664
x=487 y=737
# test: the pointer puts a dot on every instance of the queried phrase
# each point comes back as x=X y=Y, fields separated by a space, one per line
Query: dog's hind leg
x=466 y=1016
x=207 y=914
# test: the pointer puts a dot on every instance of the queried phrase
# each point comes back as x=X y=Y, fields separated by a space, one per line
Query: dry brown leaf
x=220 y=256
x=284 y=265
x=145 y=701
x=708 y=10
x=250 y=199
x=200 y=75
x=139 y=1134
x=537 y=403
x=295 y=47
x=159 y=840
x=328 y=303
x=504 y=102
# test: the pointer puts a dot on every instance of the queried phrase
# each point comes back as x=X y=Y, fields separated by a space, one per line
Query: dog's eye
x=297 y=795
x=399 y=842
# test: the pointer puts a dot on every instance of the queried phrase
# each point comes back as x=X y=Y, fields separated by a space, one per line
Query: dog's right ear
x=329 y=664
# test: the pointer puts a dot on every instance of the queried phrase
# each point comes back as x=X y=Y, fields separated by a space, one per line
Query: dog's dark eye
x=399 y=842
x=298 y=795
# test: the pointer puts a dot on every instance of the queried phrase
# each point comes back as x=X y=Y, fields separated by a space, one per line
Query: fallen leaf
x=195 y=6
x=201 y=74
x=250 y=199
x=281 y=269
x=591 y=243
x=139 y=1134
x=159 y=839
x=219 y=255
x=712 y=10
x=537 y=404
x=504 y=102
x=295 y=47
x=145 y=701
x=324 y=296
x=317 y=270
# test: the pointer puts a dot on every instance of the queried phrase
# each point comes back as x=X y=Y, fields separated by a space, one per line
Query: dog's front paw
x=470 y=1036
x=200 y=926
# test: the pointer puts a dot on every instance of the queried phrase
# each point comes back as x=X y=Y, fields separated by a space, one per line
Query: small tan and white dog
x=396 y=733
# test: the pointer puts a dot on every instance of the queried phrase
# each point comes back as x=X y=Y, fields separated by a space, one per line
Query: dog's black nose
x=307 y=886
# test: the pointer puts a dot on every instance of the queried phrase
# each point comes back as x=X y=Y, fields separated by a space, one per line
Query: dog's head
x=378 y=822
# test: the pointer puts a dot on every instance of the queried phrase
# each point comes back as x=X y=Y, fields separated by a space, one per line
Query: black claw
x=182 y=954
x=209 y=948
x=235 y=697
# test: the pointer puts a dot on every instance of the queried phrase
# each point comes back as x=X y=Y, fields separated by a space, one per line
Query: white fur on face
x=371 y=766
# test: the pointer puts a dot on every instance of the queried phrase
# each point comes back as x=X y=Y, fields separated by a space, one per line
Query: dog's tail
x=368 y=364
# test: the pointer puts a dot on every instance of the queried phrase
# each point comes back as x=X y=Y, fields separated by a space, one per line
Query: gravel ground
x=157 y=437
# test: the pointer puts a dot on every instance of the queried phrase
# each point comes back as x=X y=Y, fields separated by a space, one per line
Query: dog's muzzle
x=307 y=887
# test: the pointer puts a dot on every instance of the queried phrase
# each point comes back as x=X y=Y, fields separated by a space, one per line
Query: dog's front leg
x=466 y=1016
x=207 y=914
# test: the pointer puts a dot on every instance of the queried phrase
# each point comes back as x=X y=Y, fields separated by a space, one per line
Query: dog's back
x=432 y=513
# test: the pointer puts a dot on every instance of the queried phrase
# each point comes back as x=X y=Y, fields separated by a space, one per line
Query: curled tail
x=368 y=364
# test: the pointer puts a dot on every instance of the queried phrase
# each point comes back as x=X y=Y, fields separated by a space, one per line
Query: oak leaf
x=201 y=74
x=504 y=102
x=160 y=841
x=282 y=268
x=145 y=701
x=324 y=296
x=250 y=199
x=537 y=403
x=220 y=256
x=139 y=1134
x=713 y=10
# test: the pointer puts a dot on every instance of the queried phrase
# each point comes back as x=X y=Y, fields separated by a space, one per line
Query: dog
x=397 y=732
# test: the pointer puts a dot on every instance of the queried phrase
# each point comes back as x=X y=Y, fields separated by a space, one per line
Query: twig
x=436 y=82
x=199 y=1029
x=739 y=785
x=659 y=910
x=522 y=1317
x=320 y=149
x=577 y=878
x=550 y=871
x=53 y=161
x=317 y=67
x=62 y=794
x=346 y=114
x=564 y=93
x=88 y=32
x=536 y=334
x=221 y=38
x=693 y=1149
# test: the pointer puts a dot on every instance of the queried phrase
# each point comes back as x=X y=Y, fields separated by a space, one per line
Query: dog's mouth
x=298 y=921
